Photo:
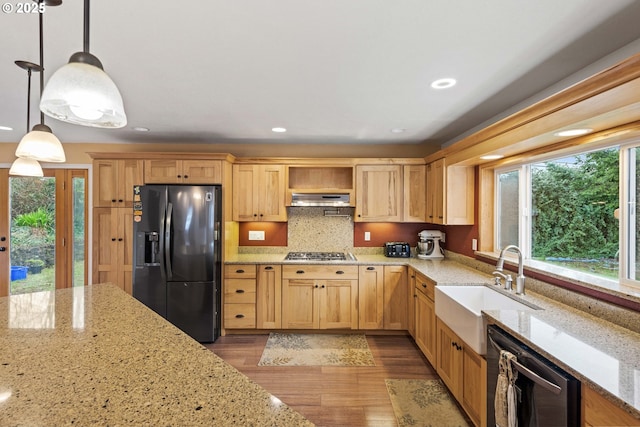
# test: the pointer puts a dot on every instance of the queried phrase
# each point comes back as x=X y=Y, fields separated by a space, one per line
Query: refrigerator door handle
x=167 y=241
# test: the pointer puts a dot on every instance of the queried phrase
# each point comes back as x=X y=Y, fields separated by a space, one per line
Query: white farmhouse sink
x=460 y=307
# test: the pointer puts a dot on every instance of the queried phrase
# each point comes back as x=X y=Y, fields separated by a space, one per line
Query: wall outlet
x=474 y=244
x=367 y=236
x=256 y=235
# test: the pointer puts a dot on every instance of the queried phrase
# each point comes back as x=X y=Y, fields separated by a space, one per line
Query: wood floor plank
x=332 y=396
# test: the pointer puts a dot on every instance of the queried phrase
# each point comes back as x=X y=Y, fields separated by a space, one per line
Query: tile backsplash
x=311 y=230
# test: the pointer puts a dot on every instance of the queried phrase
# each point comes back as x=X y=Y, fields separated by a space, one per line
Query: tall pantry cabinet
x=113 y=182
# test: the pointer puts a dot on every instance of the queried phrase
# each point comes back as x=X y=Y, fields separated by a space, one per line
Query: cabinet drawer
x=305 y=271
x=239 y=316
x=425 y=285
x=240 y=271
x=240 y=291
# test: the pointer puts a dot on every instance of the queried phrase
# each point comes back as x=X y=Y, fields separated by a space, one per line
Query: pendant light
x=82 y=93
x=40 y=144
x=24 y=166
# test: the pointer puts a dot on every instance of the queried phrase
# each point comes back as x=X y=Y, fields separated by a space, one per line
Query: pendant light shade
x=26 y=167
x=42 y=145
x=83 y=94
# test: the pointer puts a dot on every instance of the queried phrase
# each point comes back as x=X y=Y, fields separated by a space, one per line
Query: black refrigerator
x=176 y=255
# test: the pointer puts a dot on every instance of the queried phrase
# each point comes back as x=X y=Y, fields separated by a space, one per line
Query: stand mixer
x=429 y=244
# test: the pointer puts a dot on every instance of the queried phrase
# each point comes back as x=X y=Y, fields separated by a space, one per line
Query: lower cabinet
x=239 y=296
x=113 y=250
x=598 y=411
x=395 y=298
x=319 y=297
x=463 y=371
x=269 y=297
x=425 y=324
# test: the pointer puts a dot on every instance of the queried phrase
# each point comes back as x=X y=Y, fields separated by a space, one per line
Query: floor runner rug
x=424 y=403
x=316 y=350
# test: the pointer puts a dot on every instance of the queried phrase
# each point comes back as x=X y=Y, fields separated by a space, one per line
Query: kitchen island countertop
x=96 y=356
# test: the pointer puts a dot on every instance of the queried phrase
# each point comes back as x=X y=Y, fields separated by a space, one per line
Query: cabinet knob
x=239 y=271
x=255 y=215
x=113 y=200
x=120 y=200
x=120 y=239
x=239 y=291
x=2 y=248
x=239 y=316
x=113 y=239
x=339 y=272
x=424 y=285
x=322 y=286
x=301 y=272
x=179 y=176
x=268 y=267
x=371 y=268
x=186 y=176
x=315 y=286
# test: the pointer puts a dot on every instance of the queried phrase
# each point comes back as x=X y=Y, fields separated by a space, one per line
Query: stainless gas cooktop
x=316 y=256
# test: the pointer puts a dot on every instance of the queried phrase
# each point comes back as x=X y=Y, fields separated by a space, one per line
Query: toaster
x=397 y=249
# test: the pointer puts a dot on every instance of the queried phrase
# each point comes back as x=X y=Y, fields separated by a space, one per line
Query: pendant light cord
x=41 y=60
x=85 y=38
x=28 y=100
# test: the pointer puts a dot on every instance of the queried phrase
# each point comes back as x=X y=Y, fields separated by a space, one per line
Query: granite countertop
x=96 y=356
x=599 y=353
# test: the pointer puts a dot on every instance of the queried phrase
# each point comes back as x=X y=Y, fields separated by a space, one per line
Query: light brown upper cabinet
x=161 y=171
x=379 y=193
x=259 y=193
x=113 y=182
x=415 y=193
x=450 y=196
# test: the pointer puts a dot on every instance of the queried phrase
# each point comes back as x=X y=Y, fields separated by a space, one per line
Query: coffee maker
x=429 y=244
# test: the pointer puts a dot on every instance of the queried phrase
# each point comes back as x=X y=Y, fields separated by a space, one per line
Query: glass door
x=43 y=231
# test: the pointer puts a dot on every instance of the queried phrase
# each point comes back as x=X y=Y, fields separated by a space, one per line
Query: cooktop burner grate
x=316 y=256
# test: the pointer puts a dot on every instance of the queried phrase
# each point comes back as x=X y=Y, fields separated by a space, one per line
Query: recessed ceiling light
x=398 y=130
x=279 y=130
x=492 y=157
x=141 y=129
x=443 y=83
x=573 y=132
x=5 y=128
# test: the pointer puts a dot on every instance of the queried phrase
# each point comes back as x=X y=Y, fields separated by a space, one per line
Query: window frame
x=627 y=217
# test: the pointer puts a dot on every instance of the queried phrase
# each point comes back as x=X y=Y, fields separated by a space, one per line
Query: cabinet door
x=113 y=182
x=271 y=196
x=460 y=182
x=379 y=193
x=269 y=297
x=598 y=411
x=370 y=297
x=449 y=358
x=299 y=304
x=415 y=193
x=411 y=303
x=474 y=386
x=425 y=326
x=338 y=302
x=125 y=249
x=438 y=192
x=105 y=245
x=202 y=171
x=113 y=247
x=395 y=297
x=245 y=194
x=162 y=172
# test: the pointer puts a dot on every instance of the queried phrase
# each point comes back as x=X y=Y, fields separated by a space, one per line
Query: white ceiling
x=330 y=71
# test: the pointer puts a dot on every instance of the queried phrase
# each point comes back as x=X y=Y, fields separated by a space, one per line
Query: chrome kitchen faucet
x=498 y=274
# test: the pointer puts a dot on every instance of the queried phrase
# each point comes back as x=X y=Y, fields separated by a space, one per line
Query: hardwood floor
x=332 y=396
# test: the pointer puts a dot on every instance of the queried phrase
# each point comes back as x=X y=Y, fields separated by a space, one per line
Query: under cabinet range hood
x=321 y=199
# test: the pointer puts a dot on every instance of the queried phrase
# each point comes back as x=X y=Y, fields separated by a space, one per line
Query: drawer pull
x=239 y=271
x=300 y=272
x=239 y=291
x=339 y=272
x=371 y=268
x=268 y=268
x=239 y=316
x=424 y=285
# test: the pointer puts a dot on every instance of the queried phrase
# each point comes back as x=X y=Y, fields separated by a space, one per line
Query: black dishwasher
x=547 y=396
